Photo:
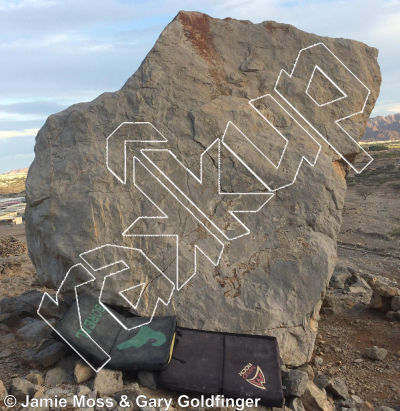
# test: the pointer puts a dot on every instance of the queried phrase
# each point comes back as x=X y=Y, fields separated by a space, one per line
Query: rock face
x=201 y=74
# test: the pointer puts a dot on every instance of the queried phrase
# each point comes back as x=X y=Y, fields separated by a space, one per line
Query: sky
x=58 y=53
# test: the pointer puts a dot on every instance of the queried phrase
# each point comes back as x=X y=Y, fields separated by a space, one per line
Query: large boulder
x=201 y=73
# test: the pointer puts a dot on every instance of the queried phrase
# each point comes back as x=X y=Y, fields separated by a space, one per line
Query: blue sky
x=57 y=53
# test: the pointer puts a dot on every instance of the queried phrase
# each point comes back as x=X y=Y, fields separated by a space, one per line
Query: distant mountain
x=383 y=128
x=17 y=171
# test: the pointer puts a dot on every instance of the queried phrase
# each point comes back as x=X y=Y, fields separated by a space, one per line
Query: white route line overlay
x=171 y=235
x=130 y=141
x=119 y=271
x=123 y=181
x=344 y=95
x=320 y=105
x=99 y=300
x=80 y=319
x=200 y=181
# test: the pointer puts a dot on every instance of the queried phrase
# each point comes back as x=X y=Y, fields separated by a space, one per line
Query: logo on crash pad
x=145 y=334
x=258 y=380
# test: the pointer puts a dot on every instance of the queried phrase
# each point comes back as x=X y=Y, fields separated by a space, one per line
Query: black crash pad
x=148 y=347
x=236 y=365
x=197 y=362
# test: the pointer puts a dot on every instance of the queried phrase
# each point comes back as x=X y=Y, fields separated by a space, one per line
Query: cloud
x=37 y=108
x=18 y=133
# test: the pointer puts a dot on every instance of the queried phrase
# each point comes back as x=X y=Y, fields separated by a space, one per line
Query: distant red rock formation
x=383 y=128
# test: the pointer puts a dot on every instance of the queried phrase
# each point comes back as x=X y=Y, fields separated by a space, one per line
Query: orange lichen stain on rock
x=197 y=30
x=340 y=168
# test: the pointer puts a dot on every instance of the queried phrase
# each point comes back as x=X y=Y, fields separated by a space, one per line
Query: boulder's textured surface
x=200 y=75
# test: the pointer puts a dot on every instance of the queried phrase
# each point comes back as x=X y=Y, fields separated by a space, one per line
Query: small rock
x=382 y=408
x=83 y=372
x=382 y=297
x=82 y=390
x=358 y=360
x=4 y=329
x=359 y=285
x=316 y=399
x=376 y=353
x=57 y=391
x=52 y=354
x=342 y=274
x=353 y=401
x=9 y=319
x=35 y=378
x=34 y=332
x=336 y=283
x=3 y=391
x=8 y=338
x=296 y=405
x=148 y=379
x=391 y=315
x=44 y=344
x=318 y=361
x=29 y=357
x=23 y=305
x=114 y=405
x=295 y=383
x=331 y=306
x=26 y=321
x=20 y=388
x=39 y=391
x=131 y=394
x=307 y=369
x=68 y=363
x=367 y=406
x=337 y=387
x=108 y=382
x=57 y=376
x=395 y=303
x=321 y=381
x=6 y=353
